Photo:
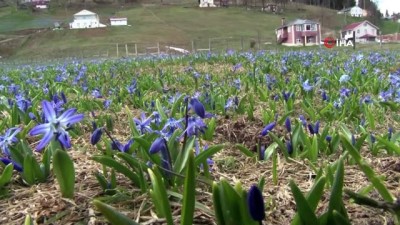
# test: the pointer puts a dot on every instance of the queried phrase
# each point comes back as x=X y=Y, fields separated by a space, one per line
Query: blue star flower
x=55 y=126
x=8 y=139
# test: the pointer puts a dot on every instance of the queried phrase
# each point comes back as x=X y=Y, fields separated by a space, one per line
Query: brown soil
x=43 y=201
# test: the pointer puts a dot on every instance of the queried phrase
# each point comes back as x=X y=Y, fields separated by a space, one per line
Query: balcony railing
x=309 y=33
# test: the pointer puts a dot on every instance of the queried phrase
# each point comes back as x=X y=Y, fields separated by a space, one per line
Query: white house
x=85 y=19
x=206 y=3
x=365 y=31
x=118 y=21
x=354 y=11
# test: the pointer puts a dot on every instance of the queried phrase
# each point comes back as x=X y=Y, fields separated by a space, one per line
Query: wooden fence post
x=117 y=51
x=241 y=43
x=136 y=53
x=158 y=48
x=193 y=48
x=209 y=44
x=126 y=50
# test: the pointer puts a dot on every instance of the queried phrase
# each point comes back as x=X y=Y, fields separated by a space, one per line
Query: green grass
x=169 y=25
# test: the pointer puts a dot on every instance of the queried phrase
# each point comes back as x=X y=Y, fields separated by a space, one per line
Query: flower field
x=297 y=137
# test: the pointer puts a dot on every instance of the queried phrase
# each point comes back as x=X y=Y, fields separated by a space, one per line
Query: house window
x=349 y=32
x=311 y=27
x=310 y=40
x=298 y=40
x=358 y=31
x=365 y=31
x=299 y=28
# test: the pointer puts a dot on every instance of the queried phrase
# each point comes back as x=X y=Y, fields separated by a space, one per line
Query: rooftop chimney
x=283 y=21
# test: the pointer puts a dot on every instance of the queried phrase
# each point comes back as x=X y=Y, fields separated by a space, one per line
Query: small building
x=299 y=33
x=206 y=3
x=118 y=21
x=85 y=19
x=365 y=31
x=35 y=4
x=354 y=11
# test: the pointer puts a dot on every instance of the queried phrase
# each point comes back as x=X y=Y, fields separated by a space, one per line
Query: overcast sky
x=391 y=5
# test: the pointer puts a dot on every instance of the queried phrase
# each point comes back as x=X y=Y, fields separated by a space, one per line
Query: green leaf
x=280 y=144
x=28 y=172
x=137 y=166
x=119 y=167
x=176 y=105
x=275 y=168
x=161 y=110
x=202 y=157
x=389 y=145
x=270 y=150
x=189 y=192
x=340 y=219
x=46 y=159
x=313 y=198
x=362 y=200
x=6 y=176
x=112 y=215
x=102 y=180
x=28 y=220
x=245 y=150
x=314 y=149
x=183 y=156
x=63 y=168
x=230 y=204
x=160 y=194
x=209 y=133
x=367 y=170
x=370 y=117
x=217 y=203
x=198 y=205
x=335 y=200
x=306 y=214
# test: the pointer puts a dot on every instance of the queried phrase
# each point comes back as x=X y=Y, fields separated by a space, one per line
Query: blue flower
x=107 y=103
x=95 y=138
x=195 y=126
x=324 y=96
x=288 y=125
x=289 y=147
x=328 y=138
x=197 y=107
x=8 y=139
x=143 y=125
x=306 y=86
x=116 y=145
x=268 y=128
x=255 y=202
x=55 y=126
x=157 y=146
x=303 y=120
x=7 y=161
x=344 y=78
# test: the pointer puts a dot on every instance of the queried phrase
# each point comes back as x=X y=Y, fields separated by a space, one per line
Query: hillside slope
x=181 y=26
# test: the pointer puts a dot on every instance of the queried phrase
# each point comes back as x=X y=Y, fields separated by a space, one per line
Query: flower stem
x=186 y=124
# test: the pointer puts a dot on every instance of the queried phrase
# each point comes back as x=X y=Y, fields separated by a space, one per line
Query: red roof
x=367 y=36
x=351 y=26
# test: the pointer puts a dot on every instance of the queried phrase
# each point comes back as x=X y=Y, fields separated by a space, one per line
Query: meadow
x=168 y=25
x=255 y=137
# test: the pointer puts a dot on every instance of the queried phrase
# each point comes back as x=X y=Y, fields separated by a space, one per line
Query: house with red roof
x=365 y=31
x=299 y=32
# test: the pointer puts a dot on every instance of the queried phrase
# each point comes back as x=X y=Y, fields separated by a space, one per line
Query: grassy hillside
x=169 y=25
